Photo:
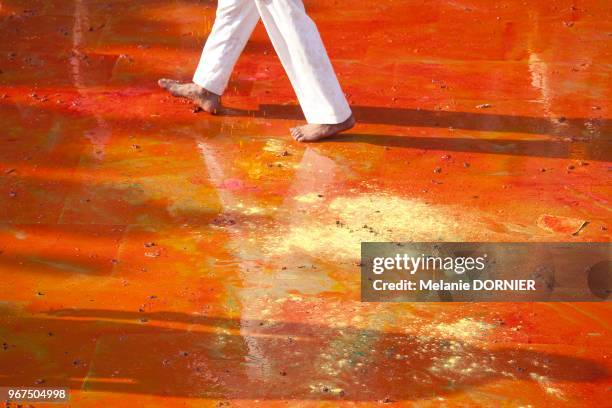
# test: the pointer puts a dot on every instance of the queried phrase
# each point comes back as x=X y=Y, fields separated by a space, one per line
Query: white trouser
x=297 y=42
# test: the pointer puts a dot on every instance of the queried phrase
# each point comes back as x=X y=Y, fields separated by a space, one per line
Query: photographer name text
x=475 y=285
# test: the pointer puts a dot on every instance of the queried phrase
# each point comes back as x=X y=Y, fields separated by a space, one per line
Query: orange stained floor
x=152 y=256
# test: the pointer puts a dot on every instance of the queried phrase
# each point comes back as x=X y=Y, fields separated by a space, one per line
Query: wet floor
x=154 y=256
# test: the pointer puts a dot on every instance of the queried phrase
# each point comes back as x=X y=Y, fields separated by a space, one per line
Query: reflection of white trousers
x=297 y=42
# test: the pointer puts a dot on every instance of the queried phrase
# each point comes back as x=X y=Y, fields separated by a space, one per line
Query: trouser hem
x=210 y=86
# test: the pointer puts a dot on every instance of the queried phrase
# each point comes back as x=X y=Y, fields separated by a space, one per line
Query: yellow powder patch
x=464 y=329
x=545 y=384
x=309 y=198
x=182 y=197
x=336 y=231
x=275 y=146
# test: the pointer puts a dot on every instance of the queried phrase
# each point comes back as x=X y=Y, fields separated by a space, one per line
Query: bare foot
x=208 y=101
x=312 y=132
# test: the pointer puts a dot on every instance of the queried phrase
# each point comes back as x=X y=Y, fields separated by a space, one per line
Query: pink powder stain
x=232 y=184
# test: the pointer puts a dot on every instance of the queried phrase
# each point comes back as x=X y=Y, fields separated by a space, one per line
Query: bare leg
x=299 y=46
x=208 y=101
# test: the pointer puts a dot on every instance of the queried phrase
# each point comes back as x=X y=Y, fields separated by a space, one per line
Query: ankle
x=205 y=92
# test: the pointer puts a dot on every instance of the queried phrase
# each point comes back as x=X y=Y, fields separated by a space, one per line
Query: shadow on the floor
x=588 y=138
x=535 y=148
x=182 y=355
x=486 y=122
x=579 y=139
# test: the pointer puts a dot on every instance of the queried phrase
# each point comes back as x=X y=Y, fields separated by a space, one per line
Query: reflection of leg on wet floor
x=299 y=46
